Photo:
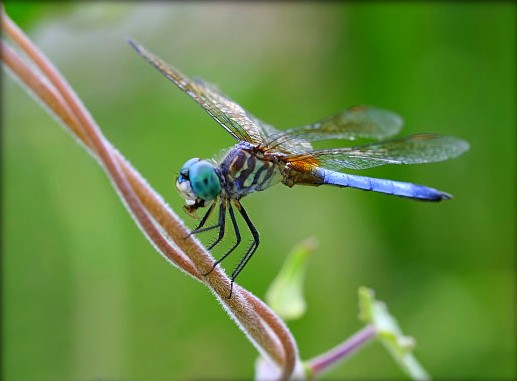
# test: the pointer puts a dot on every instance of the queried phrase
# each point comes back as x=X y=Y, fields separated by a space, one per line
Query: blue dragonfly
x=265 y=156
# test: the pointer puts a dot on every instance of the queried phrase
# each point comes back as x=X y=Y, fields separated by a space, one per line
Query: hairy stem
x=161 y=226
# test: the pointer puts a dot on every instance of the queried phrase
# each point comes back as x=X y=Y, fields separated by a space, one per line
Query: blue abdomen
x=396 y=188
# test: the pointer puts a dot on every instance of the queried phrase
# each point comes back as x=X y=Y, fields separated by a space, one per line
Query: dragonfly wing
x=414 y=149
x=226 y=112
x=277 y=140
x=356 y=122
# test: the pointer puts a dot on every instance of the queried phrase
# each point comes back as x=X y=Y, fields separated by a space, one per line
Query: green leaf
x=390 y=335
x=29 y=14
x=285 y=295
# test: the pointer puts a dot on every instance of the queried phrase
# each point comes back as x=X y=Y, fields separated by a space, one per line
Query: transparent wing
x=288 y=145
x=414 y=149
x=227 y=113
x=352 y=123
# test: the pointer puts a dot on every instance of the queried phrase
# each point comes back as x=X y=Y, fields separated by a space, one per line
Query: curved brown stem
x=163 y=228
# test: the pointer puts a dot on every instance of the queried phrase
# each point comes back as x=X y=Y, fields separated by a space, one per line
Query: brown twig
x=162 y=227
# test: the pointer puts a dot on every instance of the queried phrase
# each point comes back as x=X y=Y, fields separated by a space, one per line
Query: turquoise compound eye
x=204 y=180
x=184 y=171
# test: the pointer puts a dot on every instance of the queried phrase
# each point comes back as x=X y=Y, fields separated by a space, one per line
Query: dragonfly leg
x=250 y=251
x=205 y=218
x=237 y=242
x=220 y=224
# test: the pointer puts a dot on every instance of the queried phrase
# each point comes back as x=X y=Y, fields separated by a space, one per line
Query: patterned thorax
x=245 y=169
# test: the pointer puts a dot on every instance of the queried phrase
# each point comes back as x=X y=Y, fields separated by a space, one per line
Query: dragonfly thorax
x=197 y=183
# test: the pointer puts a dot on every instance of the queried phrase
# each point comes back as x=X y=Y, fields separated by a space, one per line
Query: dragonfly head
x=198 y=183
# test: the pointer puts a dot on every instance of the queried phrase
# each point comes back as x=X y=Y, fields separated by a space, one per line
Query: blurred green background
x=86 y=297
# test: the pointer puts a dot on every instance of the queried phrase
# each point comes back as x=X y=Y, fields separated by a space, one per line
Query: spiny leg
x=198 y=229
x=237 y=236
x=250 y=251
x=220 y=224
x=205 y=218
x=235 y=229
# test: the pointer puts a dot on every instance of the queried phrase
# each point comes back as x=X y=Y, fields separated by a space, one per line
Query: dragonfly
x=265 y=156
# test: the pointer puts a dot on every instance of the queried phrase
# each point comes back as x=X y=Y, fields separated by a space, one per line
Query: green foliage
x=400 y=347
x=86 y=297
x=28 y=14
x=285 y=295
